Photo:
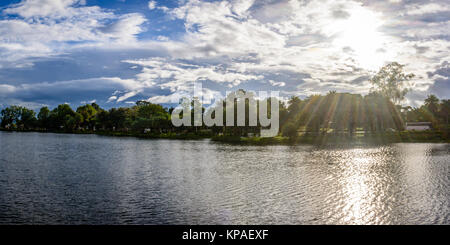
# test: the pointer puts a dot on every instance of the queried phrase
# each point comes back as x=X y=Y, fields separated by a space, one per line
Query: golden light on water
x=360 y=186
x=358 y=190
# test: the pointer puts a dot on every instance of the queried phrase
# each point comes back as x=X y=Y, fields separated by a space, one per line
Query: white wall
x=418 y=128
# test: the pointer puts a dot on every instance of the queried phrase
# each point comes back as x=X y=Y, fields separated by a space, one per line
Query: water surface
x=90 y=179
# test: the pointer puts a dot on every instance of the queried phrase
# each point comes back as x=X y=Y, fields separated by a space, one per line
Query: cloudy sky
x=116 y=52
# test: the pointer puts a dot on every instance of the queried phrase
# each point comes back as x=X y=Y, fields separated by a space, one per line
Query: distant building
x=147 y=130
x=418 y=126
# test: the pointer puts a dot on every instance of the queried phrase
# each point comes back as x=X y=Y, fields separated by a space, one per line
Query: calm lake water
x=89 y=179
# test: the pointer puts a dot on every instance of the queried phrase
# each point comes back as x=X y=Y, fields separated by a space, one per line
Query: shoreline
x=380 y=138
x=308 y=138
x=118 y=134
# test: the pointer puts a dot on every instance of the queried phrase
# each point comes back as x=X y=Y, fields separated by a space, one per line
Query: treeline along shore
x=333 y=117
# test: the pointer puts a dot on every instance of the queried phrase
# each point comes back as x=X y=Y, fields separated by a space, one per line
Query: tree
x=294 y=104
x=72 y=122
x=147 y=109
x=380 y=113
x=44 y=117
x=88 y=112
x=432 y=104
x=390 y=82
x=10 y=116
x=284 y=114
x=27 y=118
x=60 y=116
x=290 y=130
x=149 y=115
x=102 y=120
x=96 y=107
x=444 y=112
x=18 y=117
x=337 y=112
x=310 y=115
x=118 y=117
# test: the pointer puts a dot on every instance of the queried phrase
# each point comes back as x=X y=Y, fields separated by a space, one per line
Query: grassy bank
x=187 y=136
x=305 y=138
x=317 y=138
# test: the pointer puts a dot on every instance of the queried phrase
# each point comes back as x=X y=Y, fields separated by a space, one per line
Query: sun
x=359 y=36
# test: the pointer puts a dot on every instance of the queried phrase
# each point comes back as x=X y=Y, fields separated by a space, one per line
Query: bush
x=290 y=130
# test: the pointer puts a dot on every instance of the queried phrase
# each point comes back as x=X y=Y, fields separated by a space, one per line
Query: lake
x=89 y=179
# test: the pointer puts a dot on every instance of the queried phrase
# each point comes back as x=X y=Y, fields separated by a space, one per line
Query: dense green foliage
x=89 y=117
x=347 y=113
x=20 y=117
x=335 y=113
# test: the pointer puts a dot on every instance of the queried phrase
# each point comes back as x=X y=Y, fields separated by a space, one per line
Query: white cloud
x=303 y=47
x=162 y=38
x=112 y=98
x=151 y=5
x=208 y=97
x=175 y=75
x=261 y=35
x=6 y=89
x=49 y=8
x=251 y=39
x=125 y=28
x=45 y=27
x=278 y=84
x=430 y=8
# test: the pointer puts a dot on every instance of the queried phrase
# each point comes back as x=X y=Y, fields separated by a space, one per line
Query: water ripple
x=88 y=179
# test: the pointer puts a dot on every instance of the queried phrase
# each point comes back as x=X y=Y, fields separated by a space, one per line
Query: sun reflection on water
x=362 y=186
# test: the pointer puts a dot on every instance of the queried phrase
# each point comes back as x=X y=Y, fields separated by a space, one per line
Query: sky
x=115 y=52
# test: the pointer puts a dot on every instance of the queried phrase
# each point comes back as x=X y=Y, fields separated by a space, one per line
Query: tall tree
x=88 y=112
x=27 y=118
x=18 y=117
x=445 y=111
x=390 y=81
x=432 y=104
x=61 y=115
x=10 y=116
x=44 y=117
